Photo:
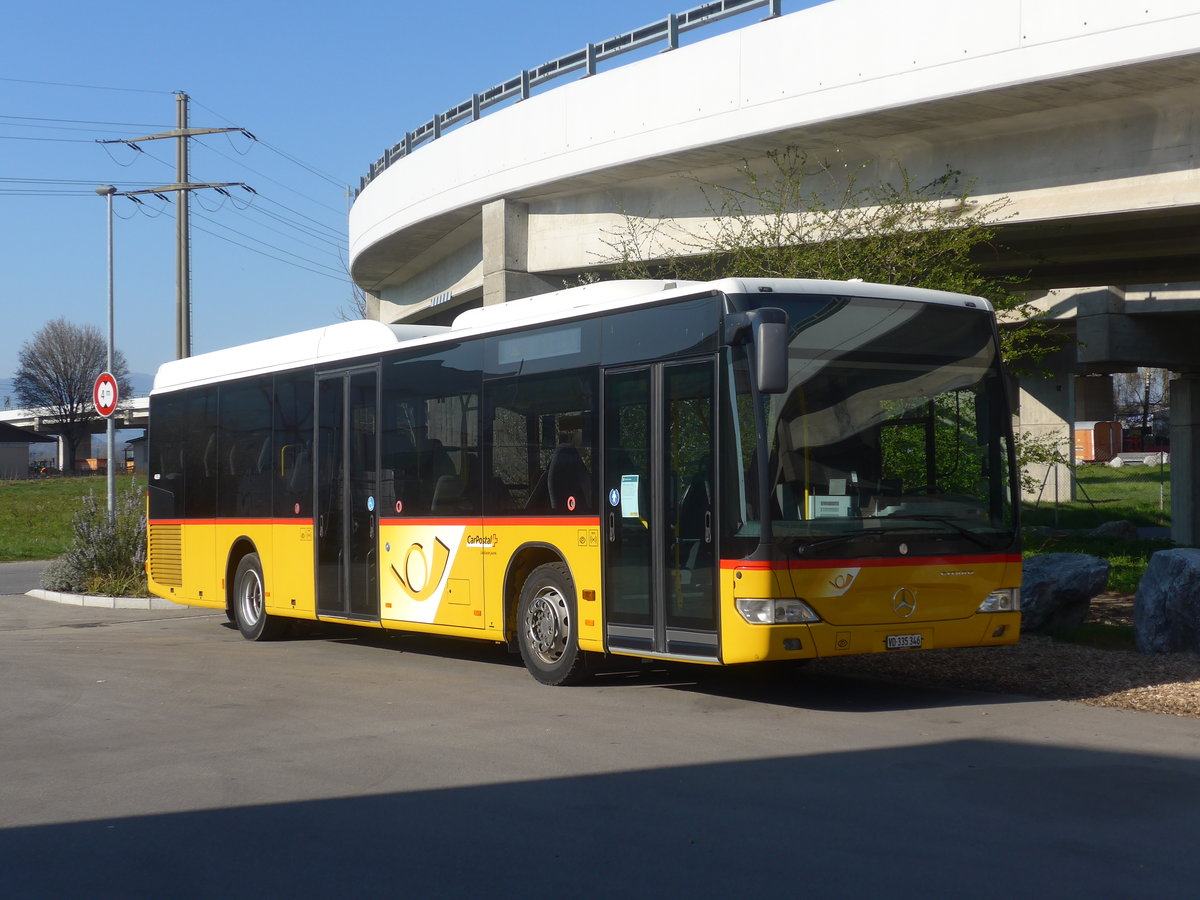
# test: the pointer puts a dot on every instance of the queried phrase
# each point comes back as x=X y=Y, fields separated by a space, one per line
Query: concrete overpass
x=1083 y=115
x=132 y=413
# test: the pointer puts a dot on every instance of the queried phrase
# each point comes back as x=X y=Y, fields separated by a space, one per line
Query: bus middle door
x=659 y=514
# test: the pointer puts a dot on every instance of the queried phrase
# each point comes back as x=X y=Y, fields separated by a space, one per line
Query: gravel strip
x=1039 y=666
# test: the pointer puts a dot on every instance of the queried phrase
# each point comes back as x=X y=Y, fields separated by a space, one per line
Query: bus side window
x=431 y=433
x=291 y=456
x=542 y=446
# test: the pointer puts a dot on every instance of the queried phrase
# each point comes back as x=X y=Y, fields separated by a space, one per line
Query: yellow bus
x=725 y=472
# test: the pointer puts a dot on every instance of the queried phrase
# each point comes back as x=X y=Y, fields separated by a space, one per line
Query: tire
x=249 y=609
x=547 y=630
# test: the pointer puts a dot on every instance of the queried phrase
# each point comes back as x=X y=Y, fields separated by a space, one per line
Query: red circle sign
x=104 y=394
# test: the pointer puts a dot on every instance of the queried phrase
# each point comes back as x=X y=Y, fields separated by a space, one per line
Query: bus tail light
x=1003 y=600
x=776 y=612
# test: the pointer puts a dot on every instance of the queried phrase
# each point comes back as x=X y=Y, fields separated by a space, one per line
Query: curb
x=147 y=603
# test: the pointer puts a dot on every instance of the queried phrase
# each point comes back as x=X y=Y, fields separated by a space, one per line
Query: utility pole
x=183 y=262
x=181 y=187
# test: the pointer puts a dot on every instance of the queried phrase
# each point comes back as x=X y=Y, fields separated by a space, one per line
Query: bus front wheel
x=249 y=609
x=547 y=631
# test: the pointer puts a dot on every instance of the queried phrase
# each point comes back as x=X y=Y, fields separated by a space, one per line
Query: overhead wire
x=295 y=160
x=92 y=87
x=267 y=177
x=342 y=277
x=265 y=244
x=322 y=238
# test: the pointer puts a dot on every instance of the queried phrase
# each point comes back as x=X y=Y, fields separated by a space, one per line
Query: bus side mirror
x=768 y=332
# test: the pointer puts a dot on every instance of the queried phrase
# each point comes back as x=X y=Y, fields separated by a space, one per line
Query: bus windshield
x=891 y=437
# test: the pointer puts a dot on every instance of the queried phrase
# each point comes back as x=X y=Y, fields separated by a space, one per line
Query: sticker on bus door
x=629 y=497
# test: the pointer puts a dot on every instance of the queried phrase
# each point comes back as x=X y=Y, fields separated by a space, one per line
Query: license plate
x=903 y=641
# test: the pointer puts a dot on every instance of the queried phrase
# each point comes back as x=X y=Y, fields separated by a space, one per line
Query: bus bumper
x=742 y=642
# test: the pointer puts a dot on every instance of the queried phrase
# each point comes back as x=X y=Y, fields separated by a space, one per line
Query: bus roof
x=333 y=342
x=348 y=340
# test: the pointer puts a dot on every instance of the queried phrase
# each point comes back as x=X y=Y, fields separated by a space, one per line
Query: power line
x=301 y=215
x=46 y=192
x=259 y=195
x=91 y=87
x=265 y=244
x=302 y=164
x=78 y=121
x=295 y=160
x=56 y=127
x=13 y=137
x=341 y=278
x=90 y=181
x=269 y=178
x=310 y=232
x=332 y=233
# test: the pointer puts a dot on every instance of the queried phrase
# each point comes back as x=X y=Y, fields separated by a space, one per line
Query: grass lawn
x=1131 y=493
x=35 y=515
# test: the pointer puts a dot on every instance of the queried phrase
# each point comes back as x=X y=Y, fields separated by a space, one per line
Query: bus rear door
x=347 y=492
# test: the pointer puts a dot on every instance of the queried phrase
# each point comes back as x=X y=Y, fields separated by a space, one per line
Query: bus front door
x=347 y=492
x=659 y=514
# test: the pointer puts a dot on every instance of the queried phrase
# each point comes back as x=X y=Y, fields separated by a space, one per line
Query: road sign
x=104 y=394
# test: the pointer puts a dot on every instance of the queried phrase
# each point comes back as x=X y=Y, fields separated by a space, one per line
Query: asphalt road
x=159 y=754
x=19 y=577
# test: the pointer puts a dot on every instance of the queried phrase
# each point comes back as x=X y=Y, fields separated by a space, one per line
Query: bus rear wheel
x=249 y=607
x=547 y=630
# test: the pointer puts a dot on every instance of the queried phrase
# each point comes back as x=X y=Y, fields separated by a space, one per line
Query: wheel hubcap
x=250 y=597
x=547 y=625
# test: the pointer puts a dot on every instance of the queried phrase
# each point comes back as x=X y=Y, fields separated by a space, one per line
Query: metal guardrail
x=668 y=30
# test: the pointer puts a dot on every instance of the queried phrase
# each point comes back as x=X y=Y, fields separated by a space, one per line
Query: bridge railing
x=588 y=58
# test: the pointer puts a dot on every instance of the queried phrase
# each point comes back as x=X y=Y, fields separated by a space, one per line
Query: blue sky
x=323 y=87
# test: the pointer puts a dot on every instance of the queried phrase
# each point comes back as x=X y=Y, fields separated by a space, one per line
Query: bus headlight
x=776 y=612
x=1003 y=600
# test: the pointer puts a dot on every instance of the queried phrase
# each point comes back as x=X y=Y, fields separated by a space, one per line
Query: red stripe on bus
x=230 y=522
x=870 y=562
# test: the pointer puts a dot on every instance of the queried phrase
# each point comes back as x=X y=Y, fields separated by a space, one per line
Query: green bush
x=64 y=575
x=104 y=557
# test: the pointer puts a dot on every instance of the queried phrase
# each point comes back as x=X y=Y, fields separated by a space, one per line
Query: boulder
x=1122 y=529
x=1057 y=589
x=1166 y=608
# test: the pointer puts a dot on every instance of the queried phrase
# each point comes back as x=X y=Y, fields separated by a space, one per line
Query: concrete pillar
x=1185 y=459
x=1094 y=399
x=506 y=254
x=1046 y=412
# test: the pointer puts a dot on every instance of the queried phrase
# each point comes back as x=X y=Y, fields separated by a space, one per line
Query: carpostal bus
x=736 y=471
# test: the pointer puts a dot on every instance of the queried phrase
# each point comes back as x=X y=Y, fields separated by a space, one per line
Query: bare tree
x=1142 y=393
x=356 y=308
x=795 y=216
x=56 y=370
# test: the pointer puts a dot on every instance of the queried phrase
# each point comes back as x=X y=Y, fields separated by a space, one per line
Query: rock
x=1126 y=531
x=1057 y=589
x=1116 y=462
x=1166 y=608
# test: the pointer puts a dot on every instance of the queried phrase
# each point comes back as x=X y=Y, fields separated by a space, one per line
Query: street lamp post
x=107 y=191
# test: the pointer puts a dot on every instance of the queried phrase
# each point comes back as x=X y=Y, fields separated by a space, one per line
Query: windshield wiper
x=944 y=520
x=803 y=545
